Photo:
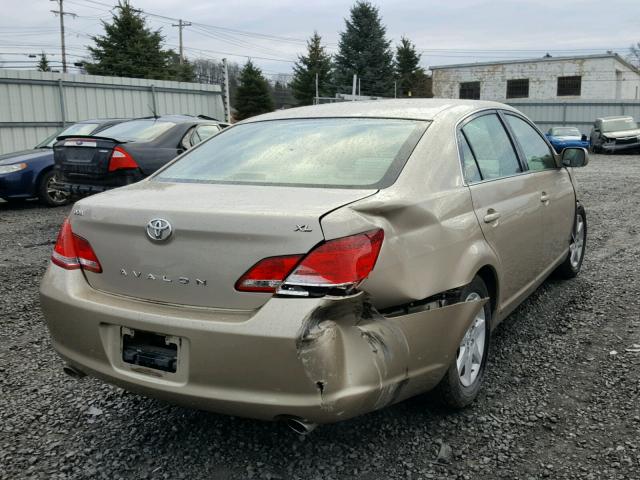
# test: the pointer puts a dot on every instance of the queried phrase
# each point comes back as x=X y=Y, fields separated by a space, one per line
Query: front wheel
x=573 y=263
x=462 y=382
x=48 y=193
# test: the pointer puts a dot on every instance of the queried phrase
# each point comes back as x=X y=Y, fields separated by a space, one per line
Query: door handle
x=544 y=198
x=491 y=216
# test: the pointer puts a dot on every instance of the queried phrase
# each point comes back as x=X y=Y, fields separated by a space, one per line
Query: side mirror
x=575 y=157
x=583 y=138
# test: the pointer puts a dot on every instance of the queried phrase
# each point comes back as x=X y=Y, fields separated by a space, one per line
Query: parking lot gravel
x=560 y=401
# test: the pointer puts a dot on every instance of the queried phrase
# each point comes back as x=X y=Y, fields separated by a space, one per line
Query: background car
x=29 y=173
x=564 y=137
x=615 y=134
x=127 y=152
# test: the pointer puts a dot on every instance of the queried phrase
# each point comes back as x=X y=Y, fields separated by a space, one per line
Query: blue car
x=564 y=137
x=29 y=173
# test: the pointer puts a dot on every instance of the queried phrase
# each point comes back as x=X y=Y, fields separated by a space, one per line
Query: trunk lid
x=218 y=233
x=78 y=159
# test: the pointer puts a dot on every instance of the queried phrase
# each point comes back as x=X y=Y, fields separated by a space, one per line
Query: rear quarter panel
x=432 y=239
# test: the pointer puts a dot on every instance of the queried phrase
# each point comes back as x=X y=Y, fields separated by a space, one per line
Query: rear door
x=556 y=193
x=506 y=204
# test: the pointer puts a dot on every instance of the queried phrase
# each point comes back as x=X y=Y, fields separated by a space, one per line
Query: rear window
x=565 y=131
x=75 y=129
x=137 y=130
x=331 y=152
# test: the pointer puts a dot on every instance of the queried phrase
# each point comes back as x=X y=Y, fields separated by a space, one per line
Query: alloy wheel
x=577 y=242
x=471 y=350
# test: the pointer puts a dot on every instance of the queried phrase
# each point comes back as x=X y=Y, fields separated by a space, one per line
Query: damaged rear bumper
x=318 y=359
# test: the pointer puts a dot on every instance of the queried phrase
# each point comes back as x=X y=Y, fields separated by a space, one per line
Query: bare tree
x=634 y=54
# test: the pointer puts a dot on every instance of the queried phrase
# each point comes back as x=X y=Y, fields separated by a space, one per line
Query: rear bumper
x=319 y=359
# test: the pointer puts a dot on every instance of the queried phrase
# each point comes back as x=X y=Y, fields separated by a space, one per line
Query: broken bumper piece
x=317 y=359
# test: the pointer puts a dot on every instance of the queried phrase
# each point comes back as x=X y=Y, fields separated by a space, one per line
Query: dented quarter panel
x=433 y=241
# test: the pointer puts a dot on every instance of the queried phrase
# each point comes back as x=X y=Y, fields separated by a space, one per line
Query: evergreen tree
x=252 y=95
x=181 y=72
x=43 y=63
x=128 y=48
x=364 y=50
x=317 y=61
x=411 y=77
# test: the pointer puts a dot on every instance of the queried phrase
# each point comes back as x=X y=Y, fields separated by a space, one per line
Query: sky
x=273 y=32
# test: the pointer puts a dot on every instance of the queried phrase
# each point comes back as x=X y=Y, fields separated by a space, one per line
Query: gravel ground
x=561 y=398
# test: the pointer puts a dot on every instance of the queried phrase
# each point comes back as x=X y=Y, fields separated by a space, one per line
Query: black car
x=30 y=174
x=127 y=152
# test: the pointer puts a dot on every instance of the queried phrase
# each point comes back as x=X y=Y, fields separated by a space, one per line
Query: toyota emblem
x=159 y=229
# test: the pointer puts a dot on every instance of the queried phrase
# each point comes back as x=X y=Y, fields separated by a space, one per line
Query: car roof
x=103 y=120
x=180 y=118
x=418 y=109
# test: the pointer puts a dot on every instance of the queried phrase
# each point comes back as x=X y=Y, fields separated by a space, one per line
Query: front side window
x=320 y=152
x=143 y=130
x=535 y=149
x=470 y=90
x=569 y=86
x=518 y=88
x=491 y=147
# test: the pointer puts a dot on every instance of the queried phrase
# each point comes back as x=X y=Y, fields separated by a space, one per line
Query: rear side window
x=324 y=152
x=137 y=130
x=491 y=147
x=535 y=149
x=203 y=132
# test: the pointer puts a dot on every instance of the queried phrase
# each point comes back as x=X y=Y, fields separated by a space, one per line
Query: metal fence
x=574 y=113
x=34 y=105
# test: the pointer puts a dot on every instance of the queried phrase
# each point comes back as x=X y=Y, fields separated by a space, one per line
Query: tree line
x=129 y=48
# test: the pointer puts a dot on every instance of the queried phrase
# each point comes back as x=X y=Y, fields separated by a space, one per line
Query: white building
x=586 y=77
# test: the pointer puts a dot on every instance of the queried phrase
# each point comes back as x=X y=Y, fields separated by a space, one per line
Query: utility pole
x=359 y=91
x=227 y=105
x=62 y=13
x=180 y=26
x=395 y=89
x=317 y=95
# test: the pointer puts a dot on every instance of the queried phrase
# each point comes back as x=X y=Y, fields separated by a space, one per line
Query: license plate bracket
x=150 y=350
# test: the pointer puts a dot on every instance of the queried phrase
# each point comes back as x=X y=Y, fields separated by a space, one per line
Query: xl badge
x=159 y=229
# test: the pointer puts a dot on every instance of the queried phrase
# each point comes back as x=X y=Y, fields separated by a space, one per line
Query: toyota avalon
x=313 y=264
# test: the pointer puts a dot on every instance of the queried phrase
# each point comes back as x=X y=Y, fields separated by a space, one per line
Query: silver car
x=314 y=264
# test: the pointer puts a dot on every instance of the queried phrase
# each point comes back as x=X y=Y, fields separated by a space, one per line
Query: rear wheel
x=573 y=263
x=463 y=379
x=48 y=193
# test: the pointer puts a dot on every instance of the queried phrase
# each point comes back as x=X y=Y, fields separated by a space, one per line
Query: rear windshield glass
x=619 y=124
x=331 y=152
x=137 y=130
x=565 y=131
x=75 y=129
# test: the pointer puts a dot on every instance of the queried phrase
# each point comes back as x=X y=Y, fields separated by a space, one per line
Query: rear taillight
x=268 y=274
x=121 y=159
x=340 y=263
x=72 y=251
x=343 y=262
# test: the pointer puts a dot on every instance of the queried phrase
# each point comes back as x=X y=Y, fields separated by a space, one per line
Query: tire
x=577 y=245
x=456 y=390
x=50 y=196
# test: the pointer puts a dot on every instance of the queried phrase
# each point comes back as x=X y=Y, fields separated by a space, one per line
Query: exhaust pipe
x=299 y=426
x=73 y=372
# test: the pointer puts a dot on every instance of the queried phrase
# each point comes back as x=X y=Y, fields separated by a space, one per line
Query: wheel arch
x=489 y=276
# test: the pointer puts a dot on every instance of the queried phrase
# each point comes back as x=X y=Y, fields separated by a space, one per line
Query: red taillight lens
x=121 y=159
x=267 y=275
x=72 y=251
x=341 y=262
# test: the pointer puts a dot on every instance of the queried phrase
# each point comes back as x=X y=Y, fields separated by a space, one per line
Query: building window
x=569 y=86
x=518 y=88
x=470 y=90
